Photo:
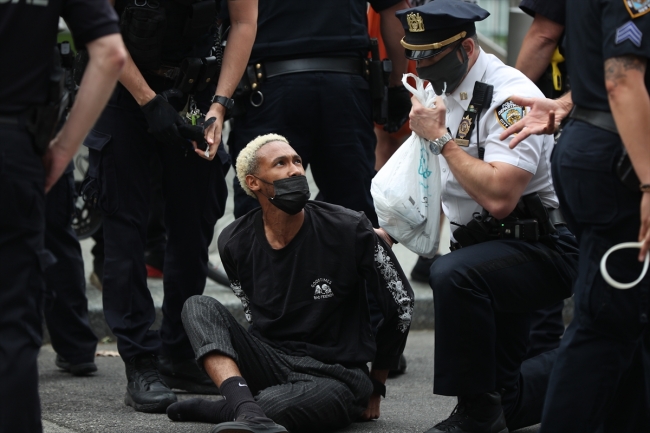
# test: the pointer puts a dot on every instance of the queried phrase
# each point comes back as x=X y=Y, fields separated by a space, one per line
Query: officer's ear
x=469 y=45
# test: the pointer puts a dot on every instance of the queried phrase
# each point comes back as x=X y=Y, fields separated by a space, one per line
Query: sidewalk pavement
x=95 y=404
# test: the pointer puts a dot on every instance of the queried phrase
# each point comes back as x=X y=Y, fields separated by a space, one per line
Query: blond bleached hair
x=247 y=160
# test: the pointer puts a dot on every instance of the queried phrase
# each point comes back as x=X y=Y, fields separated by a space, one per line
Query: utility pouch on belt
x=209 y=73
x=188 y=75
x=143 y=24
x=379 y=73
x=529 y=221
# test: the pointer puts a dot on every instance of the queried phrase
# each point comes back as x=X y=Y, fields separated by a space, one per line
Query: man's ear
x=469 y=46
x=253 y=183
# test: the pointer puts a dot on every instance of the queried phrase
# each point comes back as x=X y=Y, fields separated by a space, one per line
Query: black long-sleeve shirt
x=309 y=298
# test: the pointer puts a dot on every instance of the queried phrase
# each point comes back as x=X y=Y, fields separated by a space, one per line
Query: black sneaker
x=81 y=369
x=185 y=374
x=420 y=272
x=146 y=391
x=482 y=414
x=245 y=424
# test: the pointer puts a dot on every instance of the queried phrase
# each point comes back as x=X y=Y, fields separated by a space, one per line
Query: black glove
x=399 y=106
x=197 y=132
x=163 y=119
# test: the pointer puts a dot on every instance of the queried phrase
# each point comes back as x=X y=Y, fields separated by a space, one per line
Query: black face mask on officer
x=447 y=70
x=291 y=193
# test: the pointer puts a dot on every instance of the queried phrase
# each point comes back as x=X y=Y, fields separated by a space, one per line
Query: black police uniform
x=66 y=305
x=486 y=289
x=553 y=10
x=120 y=149
x=547 y=324
x=602 y=371
x=326 y=116
x=27 y=39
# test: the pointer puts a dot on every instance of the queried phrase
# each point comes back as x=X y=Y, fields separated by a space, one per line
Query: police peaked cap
x=432 y=27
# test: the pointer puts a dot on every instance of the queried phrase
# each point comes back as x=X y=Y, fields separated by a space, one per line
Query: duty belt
x=259 y=72
x=345 y=65
x=554 y=215
x=600 y=119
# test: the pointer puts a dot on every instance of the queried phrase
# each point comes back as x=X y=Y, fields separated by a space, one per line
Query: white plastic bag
x=406 y=190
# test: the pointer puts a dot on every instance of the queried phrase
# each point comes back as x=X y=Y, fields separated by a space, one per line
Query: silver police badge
x=509 y=113
x=637 y=8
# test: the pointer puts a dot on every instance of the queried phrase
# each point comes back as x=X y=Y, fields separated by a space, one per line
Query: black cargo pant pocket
x=99 y=188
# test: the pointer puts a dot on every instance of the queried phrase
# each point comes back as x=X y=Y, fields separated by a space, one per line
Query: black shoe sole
x=160 y=407
x=238 y=427
x=191 y=387
x=83 y=369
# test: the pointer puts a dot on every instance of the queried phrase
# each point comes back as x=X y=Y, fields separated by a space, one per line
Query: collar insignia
x=509 y=113
x=415 y=22
x=637 y=8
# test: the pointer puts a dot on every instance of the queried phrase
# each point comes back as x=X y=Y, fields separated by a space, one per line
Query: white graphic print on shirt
x=323 y=288
x=396 y=287
x=235 y=285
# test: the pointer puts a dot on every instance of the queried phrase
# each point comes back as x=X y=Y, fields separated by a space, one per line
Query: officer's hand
x=429 y=123
x=382 y=234
x=544 y=117
x=55 y=161
x=372 y=411
x=163 y=119
x=644 y=232
x=399 y=105
x=213 y=132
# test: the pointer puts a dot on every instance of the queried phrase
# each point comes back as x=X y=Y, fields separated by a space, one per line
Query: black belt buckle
x=188 y=74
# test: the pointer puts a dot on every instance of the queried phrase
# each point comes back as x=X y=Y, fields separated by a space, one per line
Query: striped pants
x=298 y=392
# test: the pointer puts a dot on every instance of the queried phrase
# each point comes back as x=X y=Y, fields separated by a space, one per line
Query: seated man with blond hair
x=301 y=270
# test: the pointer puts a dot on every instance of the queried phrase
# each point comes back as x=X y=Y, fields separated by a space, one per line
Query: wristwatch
x=436 y=145
x=226 y=102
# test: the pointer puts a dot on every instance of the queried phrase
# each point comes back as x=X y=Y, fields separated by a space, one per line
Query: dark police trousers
x=66 y=305
x=22 y=262
x=195 y=192
x=602 y=373
x=483 y=298
x=327 y=118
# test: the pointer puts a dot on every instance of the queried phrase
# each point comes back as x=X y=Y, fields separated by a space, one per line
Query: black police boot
x=146 y=391
x=185 y=374
x=81 y=369
x=246 y=424
x=480 y=414
x=420 y=272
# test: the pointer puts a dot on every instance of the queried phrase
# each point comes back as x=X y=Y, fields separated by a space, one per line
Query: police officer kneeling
x=511 y=254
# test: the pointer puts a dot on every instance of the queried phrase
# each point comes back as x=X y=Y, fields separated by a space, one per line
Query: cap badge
x=415 y=22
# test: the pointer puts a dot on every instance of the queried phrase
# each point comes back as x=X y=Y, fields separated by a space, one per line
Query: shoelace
x=456 y=417
x=148 y=371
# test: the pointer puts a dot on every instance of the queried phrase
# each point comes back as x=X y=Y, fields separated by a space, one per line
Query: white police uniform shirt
x=533 y=154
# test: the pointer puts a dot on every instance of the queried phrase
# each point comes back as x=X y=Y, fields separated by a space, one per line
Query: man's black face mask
x=291 y=194
x=447 y=70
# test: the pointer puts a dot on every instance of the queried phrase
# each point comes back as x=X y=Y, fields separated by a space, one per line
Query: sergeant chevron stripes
x=629 y=31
